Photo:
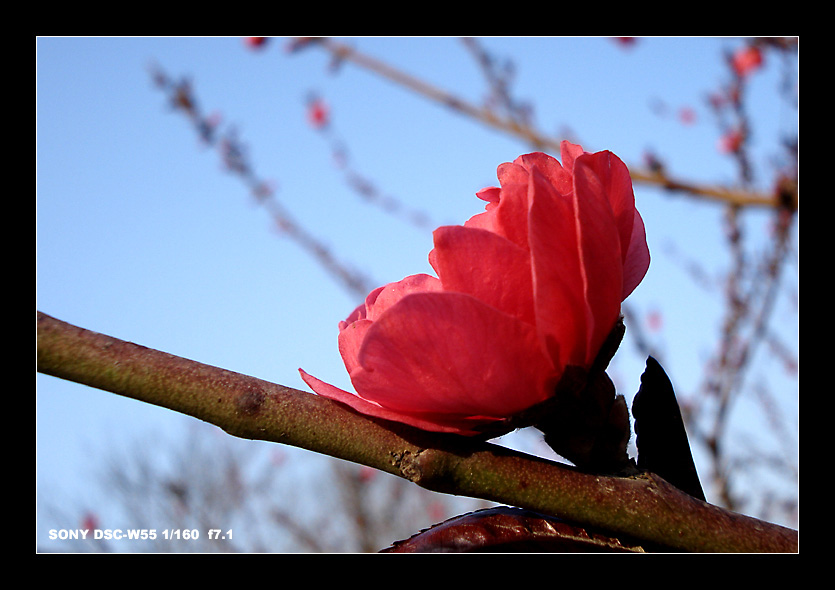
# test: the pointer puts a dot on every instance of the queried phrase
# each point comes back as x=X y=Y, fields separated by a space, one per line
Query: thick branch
x=644 y=508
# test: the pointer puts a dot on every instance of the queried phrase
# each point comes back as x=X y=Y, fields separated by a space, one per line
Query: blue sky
x=143 y=236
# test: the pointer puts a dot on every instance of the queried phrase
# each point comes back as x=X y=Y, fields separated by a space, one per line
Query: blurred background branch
x=509 y=121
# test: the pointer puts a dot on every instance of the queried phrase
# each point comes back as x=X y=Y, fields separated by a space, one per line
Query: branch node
x=250 y=401
x=410 y=464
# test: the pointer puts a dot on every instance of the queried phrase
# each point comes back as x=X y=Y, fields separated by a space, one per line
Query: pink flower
x=255 y=42
x=90 y=522
x=625 y=41
x=317 y=113
x=527 y=288
x=687 y=115
x=747 y=60
x=731 y=141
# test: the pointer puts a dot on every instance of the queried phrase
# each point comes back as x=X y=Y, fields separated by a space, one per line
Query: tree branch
x=342 y=52
x=645 y=508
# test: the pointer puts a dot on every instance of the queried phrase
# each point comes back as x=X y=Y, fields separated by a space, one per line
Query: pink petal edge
x=371 y=409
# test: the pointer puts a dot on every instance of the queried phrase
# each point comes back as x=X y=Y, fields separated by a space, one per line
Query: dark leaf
x=509 y=530
x=662 y=442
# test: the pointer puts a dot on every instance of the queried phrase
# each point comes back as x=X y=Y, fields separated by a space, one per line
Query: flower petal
x=615 y=182
x=450 y=353
x=596 y=184
x=350 y=341
x=636 y=263
x=490 y=194
x=508 y=218
x=486 y=266
x=558 y=281
x=558 y=176
x=569 y=153
x=610 y=178
x=430 y=422
x=387 y=296
x=352 y=330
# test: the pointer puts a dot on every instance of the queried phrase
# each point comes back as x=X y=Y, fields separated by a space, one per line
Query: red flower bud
x=731 y=141
x=317 y=113
x=746 y=60
x=255 y=42
x=524 y=290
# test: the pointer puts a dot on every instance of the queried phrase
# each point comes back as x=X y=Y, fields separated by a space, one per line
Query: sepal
x=586 y=421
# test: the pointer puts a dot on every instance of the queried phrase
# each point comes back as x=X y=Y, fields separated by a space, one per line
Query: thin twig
x=234 y=155
x=342 y=52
